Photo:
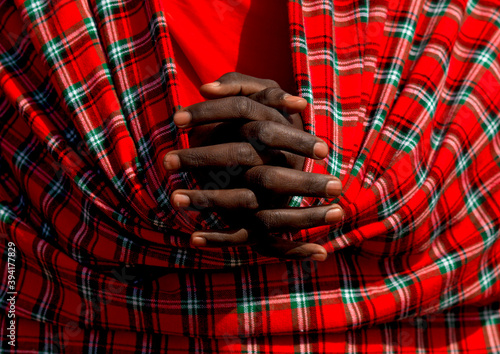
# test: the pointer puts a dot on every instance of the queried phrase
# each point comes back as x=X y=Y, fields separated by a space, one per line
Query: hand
x=253 y=133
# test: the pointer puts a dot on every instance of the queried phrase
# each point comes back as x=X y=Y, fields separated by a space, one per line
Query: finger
x=235 y=84
x=222 y=155
x=292 y=182
x=268 y=246
x=277 y=98
x=286 y=249
x=224 y=109
x=262 y=137
x=274 y=220
x=220 y=238
x=266 y=92
x=278 y=136
x=224 y=198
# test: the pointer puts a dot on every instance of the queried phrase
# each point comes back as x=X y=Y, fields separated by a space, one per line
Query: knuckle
x=231 y=76
x=315 y=183
x=268 y=218
x=249 y=200
x=273 y=94
x=266 y=131
x=245 y=154
x=202 y=200
x=310 y=187
x=270 y=83
x=203 y=110
x=245 y=107
x=195 y=158
x=311 y=219
x=264 y=176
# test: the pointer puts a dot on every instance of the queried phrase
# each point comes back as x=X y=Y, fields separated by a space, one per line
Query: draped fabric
x=406 y=94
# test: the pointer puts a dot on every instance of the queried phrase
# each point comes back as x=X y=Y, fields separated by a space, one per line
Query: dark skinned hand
x=248 y=155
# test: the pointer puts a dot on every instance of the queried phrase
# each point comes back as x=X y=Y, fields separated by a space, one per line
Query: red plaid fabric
x=405 y=93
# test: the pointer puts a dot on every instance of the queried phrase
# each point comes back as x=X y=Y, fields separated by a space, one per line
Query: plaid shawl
x=406 y=93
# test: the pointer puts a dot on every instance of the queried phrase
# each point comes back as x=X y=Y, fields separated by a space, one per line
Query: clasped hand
x=247 y=152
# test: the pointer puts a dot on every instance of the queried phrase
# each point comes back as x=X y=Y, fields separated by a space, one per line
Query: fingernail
x=182 y=118
x=293 y=99
x=333 y=215
x=320 y=257
x=213 y=84
x=172 y=162
x=320 y=149
x=199 y=241
x=182 y=201
x=334 y=188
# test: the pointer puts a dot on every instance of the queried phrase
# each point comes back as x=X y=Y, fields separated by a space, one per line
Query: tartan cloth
x=406 y=94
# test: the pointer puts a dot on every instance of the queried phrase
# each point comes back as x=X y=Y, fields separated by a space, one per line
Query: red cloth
x=406 y=94
x=211 y=38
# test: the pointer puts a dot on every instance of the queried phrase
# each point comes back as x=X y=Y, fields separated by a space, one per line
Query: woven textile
x=406 y=94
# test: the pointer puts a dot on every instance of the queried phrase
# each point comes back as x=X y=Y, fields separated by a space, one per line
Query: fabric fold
x=406 y=94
